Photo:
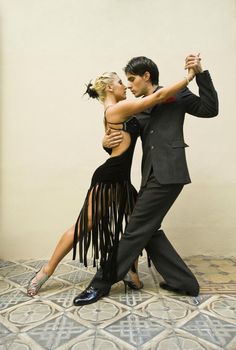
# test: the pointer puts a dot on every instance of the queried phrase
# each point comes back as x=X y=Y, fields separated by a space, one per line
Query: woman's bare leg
x=63 y=247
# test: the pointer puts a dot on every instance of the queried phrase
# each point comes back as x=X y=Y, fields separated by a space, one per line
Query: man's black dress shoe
x=166 y=286
x=90 y=295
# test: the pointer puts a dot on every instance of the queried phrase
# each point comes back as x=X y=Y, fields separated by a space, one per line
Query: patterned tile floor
x=150 y=319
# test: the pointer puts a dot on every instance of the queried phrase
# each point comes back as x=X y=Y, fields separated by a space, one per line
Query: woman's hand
x=194 y=62
x=112 y=139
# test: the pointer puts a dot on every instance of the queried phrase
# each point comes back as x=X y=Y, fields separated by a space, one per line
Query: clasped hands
x=193 y=62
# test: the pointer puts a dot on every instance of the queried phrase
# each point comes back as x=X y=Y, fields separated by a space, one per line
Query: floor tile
x=28 y=315
x=5 y=286
x=97 y=341
x=209 y=328
x=134 y=329
x=3 y=331
x=176 y=341
x=106 y=341
x=64 y=298
x=167 y=310
x=193 y=301
x=223 y=306
x=84 y=344
x=76 y=277
x=131 y=298
x=56 y=332
x=18 y=342
x=5 y=263
x=101 y=313
x=14 y=297
x=36 y=264
x=13 y=270
x=147 y=319
x=22 y=279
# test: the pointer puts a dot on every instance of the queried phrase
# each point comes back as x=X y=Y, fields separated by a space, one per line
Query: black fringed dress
x=112 y=198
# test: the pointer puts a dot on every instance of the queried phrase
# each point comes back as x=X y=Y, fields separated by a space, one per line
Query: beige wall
x=50 y=135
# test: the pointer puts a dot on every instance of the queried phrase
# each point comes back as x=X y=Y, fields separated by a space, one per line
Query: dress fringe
x=111 y=207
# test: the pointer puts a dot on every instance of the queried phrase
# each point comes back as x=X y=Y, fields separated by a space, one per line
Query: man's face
x=137 y=84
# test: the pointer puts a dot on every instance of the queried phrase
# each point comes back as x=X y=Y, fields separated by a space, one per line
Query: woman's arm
x=122 y=110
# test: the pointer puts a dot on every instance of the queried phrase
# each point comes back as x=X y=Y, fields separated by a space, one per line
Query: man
x=164 y=173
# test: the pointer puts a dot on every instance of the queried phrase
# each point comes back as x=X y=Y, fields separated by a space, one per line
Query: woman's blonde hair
x=98 y=89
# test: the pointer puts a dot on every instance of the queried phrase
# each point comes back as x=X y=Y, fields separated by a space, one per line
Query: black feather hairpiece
x=90 y=91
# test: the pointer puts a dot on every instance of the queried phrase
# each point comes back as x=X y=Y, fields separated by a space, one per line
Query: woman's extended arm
x=122 y=110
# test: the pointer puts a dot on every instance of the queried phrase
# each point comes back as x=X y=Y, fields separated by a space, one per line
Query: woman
x=111 y=196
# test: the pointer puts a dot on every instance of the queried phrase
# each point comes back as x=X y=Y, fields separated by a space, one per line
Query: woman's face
x=119 y=89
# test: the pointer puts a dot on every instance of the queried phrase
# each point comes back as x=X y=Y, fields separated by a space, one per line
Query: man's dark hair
x=141 y=64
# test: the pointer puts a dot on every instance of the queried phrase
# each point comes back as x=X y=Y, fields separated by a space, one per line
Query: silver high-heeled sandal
x=34 y=286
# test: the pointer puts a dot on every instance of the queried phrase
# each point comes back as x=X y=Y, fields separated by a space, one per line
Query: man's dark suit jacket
x=162 y=131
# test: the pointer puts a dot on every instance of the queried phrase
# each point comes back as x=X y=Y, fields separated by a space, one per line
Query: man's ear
x=146 y=76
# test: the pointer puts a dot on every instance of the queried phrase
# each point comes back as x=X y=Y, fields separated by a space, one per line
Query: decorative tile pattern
x=167 y=310
x=4 y=286
x=56 y=332
x=13 y=298
x=14 y=345
x=98 y=312
x=148 y=319
x=97 y=343
x=218 y=288
x=211 y=329
x=134 y=329
x=22 y=279
x=30 y=313
x=15 y=342
x=64 y=298
x=12 y=270
x=4 y=263
x=216 y=275
x=36 y=264
x=3 y=331
x=182 y=342
x=193 y=301
x=76 y=277
x=132 y=298
x=224 y=307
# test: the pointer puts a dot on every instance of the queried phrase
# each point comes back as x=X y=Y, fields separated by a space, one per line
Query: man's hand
x=112 y=139
x=194 y=62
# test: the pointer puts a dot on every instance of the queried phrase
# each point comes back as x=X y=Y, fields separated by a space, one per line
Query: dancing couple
x=114 y=219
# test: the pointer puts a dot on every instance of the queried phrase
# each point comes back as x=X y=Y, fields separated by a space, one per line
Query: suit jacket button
x=152 y=131
x=152 y=147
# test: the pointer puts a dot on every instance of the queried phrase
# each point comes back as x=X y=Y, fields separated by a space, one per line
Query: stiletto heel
x=33 y=287
x=130 y=283
x=125 y=285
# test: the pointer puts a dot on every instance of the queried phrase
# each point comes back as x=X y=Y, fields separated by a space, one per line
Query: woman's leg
x=63 y=247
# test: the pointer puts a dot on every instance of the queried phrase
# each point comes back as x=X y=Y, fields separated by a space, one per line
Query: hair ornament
x=91 y=91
